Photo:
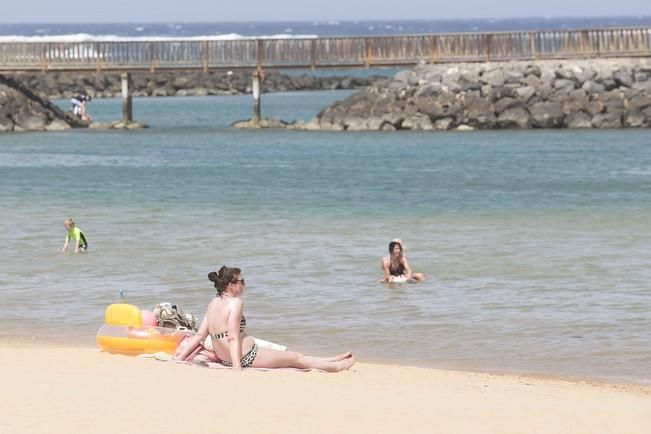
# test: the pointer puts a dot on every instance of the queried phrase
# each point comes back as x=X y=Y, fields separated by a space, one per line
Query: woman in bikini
x=225 y=324
x=396 y=267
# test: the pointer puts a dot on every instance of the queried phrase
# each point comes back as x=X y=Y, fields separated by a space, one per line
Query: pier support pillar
x=255 y=89
x=127 y=104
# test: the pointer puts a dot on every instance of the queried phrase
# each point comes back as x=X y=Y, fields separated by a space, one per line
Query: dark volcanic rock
x=23 y=110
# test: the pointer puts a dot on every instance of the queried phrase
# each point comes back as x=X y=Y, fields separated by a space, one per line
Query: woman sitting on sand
x=396 y=267
x=225 y=324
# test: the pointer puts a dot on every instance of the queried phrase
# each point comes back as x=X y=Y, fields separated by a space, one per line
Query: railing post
x=127 y=108
x=532 y=45
x=256 y=80
x=489 y=39
x=43 y=65
x=313 y=54
x=433 y=45
x=368 y=54
x=260 y=55
x=205 y=55
x=152 y=51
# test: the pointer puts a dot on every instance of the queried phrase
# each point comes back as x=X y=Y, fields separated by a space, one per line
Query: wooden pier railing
x=323 y=52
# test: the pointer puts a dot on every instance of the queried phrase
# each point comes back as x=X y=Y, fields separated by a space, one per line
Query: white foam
x=85 y=37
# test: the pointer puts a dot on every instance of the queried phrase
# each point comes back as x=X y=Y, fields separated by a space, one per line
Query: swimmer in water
x=396 y=267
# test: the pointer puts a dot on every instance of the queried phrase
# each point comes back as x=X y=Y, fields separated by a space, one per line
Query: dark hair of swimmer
x=223 y=277
x=392 y=244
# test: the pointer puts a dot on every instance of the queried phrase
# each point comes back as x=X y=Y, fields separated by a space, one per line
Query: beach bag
x=172 y=316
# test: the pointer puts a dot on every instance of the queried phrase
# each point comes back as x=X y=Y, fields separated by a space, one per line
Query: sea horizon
x=300 y=29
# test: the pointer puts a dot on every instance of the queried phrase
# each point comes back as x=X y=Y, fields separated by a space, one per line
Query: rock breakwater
x=106 y=85
x=23 y=110
x=591 y=93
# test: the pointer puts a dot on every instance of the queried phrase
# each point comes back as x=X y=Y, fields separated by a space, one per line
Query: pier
x=256 y=55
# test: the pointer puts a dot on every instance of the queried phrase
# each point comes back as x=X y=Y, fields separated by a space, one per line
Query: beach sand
x=56 y=389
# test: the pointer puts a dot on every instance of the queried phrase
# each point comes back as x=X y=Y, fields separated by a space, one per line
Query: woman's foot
x=345 y=363
x=341 y=356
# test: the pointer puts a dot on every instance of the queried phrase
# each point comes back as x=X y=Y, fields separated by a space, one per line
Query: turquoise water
x=536 y=244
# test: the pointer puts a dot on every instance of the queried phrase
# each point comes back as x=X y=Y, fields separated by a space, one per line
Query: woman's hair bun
x=212 y=276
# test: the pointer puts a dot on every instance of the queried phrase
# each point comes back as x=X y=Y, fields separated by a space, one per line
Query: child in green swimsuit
x=74 y=233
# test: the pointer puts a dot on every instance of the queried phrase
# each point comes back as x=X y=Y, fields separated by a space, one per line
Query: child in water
x=74 y=233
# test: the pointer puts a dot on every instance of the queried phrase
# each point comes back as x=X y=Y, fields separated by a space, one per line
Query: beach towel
x=203 y=355
x=207 y=361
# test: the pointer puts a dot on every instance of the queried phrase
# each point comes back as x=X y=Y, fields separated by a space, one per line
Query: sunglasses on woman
x=239 y=281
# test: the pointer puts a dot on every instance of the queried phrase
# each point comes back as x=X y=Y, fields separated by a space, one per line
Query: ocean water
x=234 y=30
x=536 y=244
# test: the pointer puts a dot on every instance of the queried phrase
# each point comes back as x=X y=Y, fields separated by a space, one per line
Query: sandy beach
x=59 y=389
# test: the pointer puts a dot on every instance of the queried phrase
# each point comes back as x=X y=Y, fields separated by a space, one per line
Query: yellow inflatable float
x=123 y=332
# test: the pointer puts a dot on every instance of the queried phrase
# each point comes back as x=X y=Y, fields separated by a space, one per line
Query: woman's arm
x=234 y=335
x=405 y=265
x=385 y=269
x=194 y=340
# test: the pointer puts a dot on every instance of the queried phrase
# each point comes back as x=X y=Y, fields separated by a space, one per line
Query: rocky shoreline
x=106 y=85
x=23 y=110
x=25 y=105
x=591 y=93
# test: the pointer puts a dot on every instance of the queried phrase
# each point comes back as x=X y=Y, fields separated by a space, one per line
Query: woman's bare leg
x=268 y=358
x=418 y=277
x=338 y=357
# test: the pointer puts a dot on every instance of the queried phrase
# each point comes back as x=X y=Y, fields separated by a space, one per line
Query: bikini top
x=398 y=271
x=225 y=334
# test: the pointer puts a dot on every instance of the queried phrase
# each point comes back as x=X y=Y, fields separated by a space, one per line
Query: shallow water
x=536 y=244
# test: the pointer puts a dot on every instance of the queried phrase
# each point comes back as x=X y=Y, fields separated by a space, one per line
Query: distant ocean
x=234 y=30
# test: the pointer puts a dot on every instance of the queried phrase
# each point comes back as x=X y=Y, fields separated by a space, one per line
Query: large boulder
x=443 y=124
x=495 y=77
x=578 y=120
x=643 y=86
x=593 y=87
x=417 y=122
x=57 y=125
x=607 y=120
x=594 y=107
x=641 y=76
x=533 y=70
x=640 y=102
x=635 y=119
x=506 y=103
x=355 y=124
x=430 y=107
x=623 y=77
x=547 y=115
x=564 y=85
x=6 y=124
x=524 y=93
x=515 y=117
x=479 y=113
x=30 y=121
